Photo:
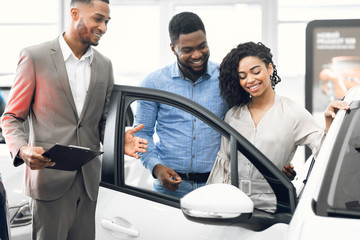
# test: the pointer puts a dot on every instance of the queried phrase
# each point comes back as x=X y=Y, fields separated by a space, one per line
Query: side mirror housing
x=217 y=204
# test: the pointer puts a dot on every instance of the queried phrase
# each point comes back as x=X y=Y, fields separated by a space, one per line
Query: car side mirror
x=217 y=204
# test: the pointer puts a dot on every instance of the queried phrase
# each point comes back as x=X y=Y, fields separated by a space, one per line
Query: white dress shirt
x=79 y=72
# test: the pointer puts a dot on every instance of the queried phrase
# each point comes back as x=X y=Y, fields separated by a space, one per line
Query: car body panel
x=4 y=213
x=152 y=220
x=306 y=224
x=13 y=181
x=125 y=210
x=13 y=176
x=148 y=215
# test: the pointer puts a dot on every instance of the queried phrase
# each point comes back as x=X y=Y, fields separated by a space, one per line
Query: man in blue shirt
x=184 y=155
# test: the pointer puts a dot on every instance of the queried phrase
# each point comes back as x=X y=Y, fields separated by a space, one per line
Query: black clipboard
x=70 y=158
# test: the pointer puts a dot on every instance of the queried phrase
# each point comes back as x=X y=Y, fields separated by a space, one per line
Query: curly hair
x=230 y=88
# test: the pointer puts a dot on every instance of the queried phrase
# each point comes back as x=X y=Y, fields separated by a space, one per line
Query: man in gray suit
x=63 y=88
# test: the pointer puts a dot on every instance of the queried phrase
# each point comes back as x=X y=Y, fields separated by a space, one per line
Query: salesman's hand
x=32 y=156
x=133 y=144
x=167 y=177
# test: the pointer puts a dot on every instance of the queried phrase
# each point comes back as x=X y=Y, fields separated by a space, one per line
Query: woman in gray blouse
x=276 y=125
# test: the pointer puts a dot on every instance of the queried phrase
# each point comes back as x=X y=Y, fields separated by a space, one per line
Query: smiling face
x=254 y=76
x=192 y=53
x=91 y=21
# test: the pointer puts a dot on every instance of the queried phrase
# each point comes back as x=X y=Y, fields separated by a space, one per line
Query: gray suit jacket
x=41 y=93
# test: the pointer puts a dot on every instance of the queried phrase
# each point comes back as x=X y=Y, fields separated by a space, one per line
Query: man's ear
x=74 y=13
x=172 y=46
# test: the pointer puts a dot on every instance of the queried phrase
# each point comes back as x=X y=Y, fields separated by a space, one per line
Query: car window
x=4 y=92
x=121 y=173
x=135 y=174
x=4 y=95
x=340 y=195
x=2 y=101
x=185 y=153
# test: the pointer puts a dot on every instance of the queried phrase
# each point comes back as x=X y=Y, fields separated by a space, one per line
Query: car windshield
x=341 y=195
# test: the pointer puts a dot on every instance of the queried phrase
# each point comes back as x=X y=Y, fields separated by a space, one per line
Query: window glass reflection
x=344 y=192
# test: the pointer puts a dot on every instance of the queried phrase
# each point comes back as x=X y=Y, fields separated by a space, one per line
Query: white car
x=128 y=210
x=4 y=213
x=329 y=207
x=20 y=216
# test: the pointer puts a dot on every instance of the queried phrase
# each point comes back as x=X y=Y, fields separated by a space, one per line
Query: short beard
x=190 y=70
x=82 y=31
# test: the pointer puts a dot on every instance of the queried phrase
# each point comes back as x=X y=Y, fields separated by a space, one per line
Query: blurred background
x=137 y=40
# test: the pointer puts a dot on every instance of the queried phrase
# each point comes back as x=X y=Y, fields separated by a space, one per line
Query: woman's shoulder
x=293 y=109
x=287 y=103
x=234 y=113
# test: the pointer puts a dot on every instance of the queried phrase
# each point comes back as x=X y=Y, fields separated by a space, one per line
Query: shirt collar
x=67 y=52
x=177 y=73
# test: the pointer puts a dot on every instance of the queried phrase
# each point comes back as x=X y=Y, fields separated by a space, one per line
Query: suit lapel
x=61 y=70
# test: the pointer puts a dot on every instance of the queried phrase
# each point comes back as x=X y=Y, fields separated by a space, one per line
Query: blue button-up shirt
x=185 y=143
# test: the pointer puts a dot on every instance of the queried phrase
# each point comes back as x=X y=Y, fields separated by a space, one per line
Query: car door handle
x=112 y=226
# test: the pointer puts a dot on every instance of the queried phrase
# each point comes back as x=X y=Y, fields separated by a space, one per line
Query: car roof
x=353 y=94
